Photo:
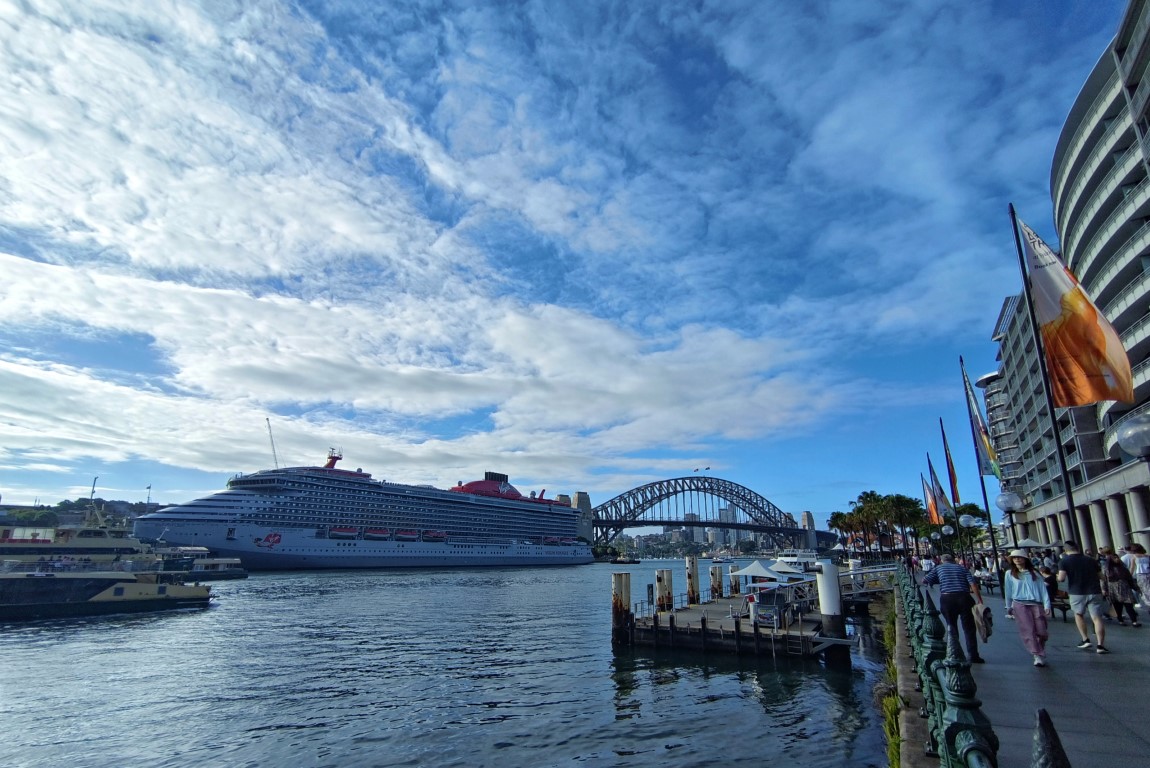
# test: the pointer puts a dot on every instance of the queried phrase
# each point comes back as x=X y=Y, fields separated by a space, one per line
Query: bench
x=988 y=584
x=1061 y=602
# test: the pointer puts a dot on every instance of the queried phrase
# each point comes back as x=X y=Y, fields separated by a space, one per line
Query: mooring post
x=716 y=582
x=664 y=596
x=671 y=630
x=693 y=580
x=831 y=608
x=738 y=637
x=620 y=608
x=703 y=627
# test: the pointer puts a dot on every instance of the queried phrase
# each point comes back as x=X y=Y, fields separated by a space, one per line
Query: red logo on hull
x=268 y=541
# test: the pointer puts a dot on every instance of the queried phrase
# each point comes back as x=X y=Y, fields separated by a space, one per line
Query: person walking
x=1028 y=601
x=955 y=585
x=1118 y=585
x=1082 y=575
x=1141 y=570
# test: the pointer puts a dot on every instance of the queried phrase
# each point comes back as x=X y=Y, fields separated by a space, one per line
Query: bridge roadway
x=1098 y=703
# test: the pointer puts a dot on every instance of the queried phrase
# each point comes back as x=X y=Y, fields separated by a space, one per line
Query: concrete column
x=1100 y=529
x=1136 y=503
x=1081 y=516
x=831 y=608
x=1065 y=529
x=1119 y=528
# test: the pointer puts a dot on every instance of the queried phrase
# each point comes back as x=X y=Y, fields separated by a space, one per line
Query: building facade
x=1100 y=188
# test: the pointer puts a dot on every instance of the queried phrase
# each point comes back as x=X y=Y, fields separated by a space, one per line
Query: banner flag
x=1085 y=359
x=943 y=503
x=949 y=466
x=987 y=456
x=931 y=506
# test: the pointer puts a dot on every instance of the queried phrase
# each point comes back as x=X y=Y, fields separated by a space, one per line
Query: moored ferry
x=324 y=517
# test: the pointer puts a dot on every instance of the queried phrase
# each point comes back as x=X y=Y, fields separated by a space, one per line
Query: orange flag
x=1084 y=356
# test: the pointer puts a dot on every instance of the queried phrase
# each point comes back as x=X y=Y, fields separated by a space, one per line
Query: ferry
x=95 y=540
x=30 y=591
x=319 y=517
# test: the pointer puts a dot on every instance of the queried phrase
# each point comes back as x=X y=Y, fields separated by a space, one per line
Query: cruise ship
x=322 y=517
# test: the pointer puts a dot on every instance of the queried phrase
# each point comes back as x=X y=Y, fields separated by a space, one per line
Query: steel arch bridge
x=696 y=501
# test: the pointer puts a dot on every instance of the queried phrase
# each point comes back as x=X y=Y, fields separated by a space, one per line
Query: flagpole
x=981 y=477
x=1045 y=379
x=950 y=472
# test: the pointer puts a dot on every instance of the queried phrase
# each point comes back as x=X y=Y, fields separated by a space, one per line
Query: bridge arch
x=695 y=501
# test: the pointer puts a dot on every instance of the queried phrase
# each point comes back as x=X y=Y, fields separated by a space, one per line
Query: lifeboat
x=406 y=535
x=435 y=535
x=343 y=532
x=377 y=534
x=552 y=540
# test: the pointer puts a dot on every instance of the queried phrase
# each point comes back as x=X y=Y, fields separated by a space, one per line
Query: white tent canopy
x=756 y=568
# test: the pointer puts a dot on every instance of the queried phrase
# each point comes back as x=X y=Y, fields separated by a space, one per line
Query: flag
x=931 y=506
x=944 y=506
x=1085 y=360
x=949 y=466
x=987 y=457
x=149 y=487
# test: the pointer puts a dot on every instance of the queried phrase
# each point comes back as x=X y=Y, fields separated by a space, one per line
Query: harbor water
x=501 y=668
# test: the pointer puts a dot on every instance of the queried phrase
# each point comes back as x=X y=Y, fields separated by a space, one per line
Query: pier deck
x=715 y=627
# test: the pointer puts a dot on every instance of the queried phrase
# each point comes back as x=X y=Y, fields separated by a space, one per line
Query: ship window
x=163 y=590
x=118 y=591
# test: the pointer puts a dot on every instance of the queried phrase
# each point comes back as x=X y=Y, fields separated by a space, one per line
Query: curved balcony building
x=1100 y=188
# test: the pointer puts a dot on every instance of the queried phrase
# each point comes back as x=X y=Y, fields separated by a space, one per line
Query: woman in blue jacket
x=1028 y=601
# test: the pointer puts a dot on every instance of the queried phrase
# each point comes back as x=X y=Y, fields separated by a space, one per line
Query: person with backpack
x=1028 y=602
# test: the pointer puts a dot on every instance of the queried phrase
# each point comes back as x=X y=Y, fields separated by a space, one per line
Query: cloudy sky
x=591 y=245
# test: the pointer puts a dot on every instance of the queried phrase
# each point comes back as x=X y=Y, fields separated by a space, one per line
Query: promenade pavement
x=1098 y=703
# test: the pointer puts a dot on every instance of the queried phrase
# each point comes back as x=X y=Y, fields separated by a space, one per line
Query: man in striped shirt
x=955 y=583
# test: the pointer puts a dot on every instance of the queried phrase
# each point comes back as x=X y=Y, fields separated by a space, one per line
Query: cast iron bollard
x=1047 y=751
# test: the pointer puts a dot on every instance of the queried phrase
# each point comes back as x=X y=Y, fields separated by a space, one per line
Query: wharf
x=716 y=627
x=1096 y=702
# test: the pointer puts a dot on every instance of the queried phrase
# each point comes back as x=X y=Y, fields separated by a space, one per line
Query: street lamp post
x=1010 y=503
x=967 y=522
x=934 y=537
x=948 y=530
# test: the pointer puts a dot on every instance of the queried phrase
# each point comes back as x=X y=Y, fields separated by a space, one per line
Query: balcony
x=1120 y=168
x=1122 y=213
x=1098 y=107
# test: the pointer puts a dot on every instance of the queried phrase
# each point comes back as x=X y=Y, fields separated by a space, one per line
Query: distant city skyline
x=591 y=246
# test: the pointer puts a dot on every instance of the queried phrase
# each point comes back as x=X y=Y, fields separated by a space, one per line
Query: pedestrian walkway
x=1098 y=703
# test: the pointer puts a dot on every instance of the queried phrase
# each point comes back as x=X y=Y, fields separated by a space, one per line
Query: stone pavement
x=1099 y=704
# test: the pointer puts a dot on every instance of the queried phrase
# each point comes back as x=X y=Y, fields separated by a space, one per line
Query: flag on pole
x=943 y=503
x=1085 y=359
x=931 y=506
x=949 y=466
x=987 y=457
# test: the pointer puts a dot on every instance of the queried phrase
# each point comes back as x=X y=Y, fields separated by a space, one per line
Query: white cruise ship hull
x=259 y=550
x=321 y=517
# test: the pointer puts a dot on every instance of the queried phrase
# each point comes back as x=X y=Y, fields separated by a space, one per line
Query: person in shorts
x=1082 y=576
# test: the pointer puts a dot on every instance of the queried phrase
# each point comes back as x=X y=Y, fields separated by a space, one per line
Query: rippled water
x=502 y=668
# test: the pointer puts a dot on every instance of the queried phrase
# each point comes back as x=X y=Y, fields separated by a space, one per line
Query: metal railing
x=959 y=733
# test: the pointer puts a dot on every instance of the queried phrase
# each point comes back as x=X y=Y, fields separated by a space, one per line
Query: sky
x=590 y=245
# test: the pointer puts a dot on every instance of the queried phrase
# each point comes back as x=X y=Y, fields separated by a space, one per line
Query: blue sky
x=590 y=245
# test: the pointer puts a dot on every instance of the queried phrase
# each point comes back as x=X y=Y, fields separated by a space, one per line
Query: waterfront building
x=1100 y=188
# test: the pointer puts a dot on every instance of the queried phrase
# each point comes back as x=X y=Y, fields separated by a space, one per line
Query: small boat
x=343 y=532
x=625 y=560
x=200 y=564
x=406 y=534
x=435 y=535
x=28 y=592
x=720 y=559
x=377 y=534
x=551 y=540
